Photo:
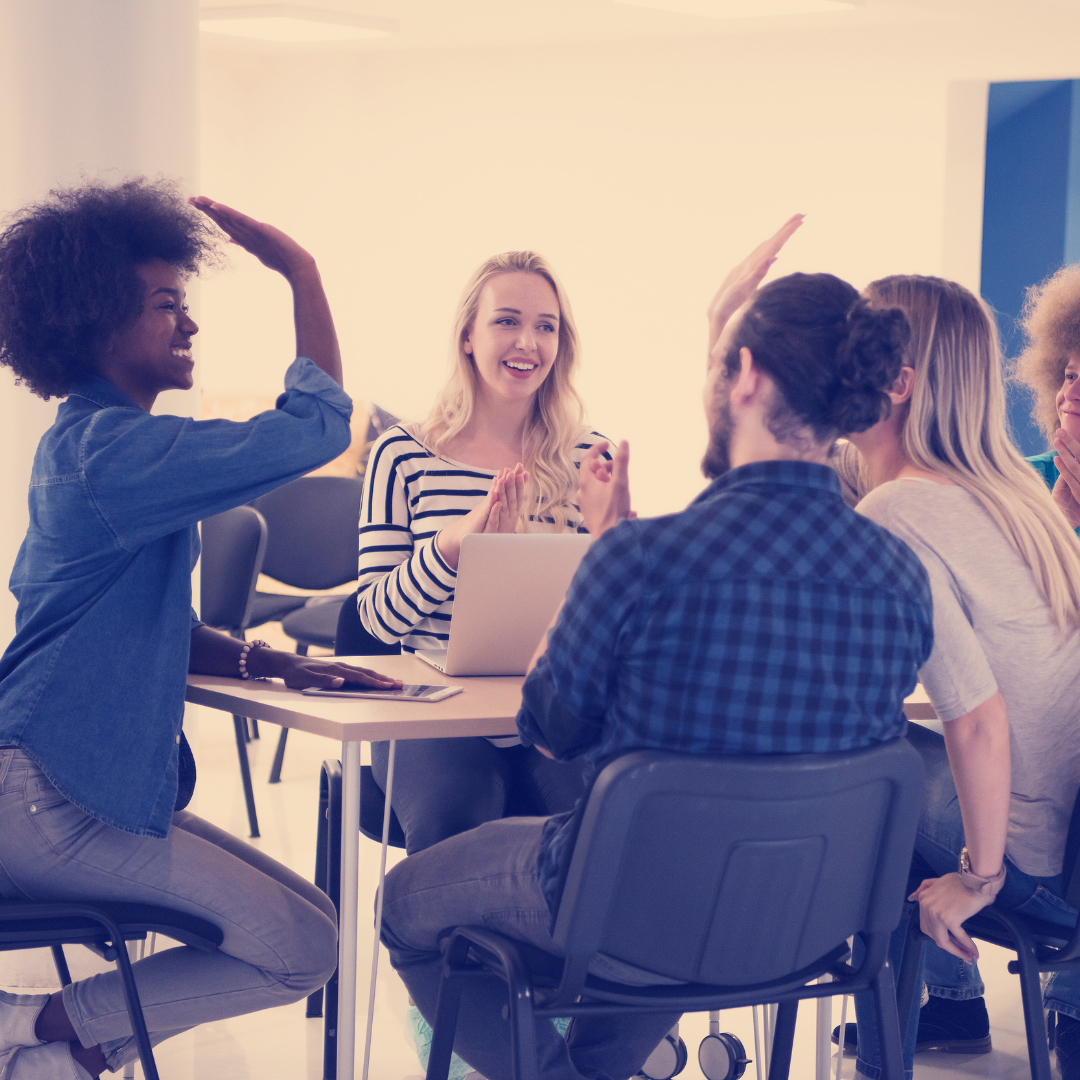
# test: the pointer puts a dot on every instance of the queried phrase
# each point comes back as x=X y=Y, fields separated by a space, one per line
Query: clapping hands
x=604 y=488
x=499 y=512
x=1067 y=488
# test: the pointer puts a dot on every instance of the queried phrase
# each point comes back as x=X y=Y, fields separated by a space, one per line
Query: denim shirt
x=92 y=685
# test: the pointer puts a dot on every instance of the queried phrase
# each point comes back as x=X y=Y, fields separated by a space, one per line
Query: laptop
x=509 y=587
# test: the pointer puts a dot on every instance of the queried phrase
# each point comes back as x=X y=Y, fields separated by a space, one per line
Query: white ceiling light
x=743 y=9
x=293 y=23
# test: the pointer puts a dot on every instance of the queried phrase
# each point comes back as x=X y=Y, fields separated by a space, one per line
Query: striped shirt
x=406 y=588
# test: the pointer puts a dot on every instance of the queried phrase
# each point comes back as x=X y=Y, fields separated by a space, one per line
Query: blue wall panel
x=1030 y=207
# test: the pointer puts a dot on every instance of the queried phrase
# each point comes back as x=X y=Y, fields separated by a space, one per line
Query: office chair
x=105 y=927
x=312 y=543
x=233 y=548
x=759 y=869
x=1039 y=946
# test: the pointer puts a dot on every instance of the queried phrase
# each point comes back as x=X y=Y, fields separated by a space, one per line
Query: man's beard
x=717 y=459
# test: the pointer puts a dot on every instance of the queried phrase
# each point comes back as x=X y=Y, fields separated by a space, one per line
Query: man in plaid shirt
x=767 y=617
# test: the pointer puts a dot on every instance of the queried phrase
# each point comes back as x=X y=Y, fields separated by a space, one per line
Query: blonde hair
x=558 y=419
x=1051 y=322
x=956 y=428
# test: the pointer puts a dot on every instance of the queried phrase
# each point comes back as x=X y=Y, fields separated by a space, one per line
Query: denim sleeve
x=566 y=697
x=150 y=476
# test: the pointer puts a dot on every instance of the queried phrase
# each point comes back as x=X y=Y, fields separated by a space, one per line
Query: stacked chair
x=233 y=548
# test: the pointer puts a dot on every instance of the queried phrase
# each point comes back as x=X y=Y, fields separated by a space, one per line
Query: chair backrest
x=233 y=546
x=352 y=639
x=313 y=527
x=741 y=869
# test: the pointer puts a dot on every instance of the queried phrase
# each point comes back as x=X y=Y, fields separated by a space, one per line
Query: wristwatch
x=983 y=886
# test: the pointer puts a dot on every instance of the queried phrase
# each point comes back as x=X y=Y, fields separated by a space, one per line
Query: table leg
x=379 y=906
x=349 y=910
x=824 y=1034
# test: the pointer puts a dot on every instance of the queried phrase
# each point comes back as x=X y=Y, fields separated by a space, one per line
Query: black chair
x=106 y=928
x=1039 y=946
x=233 y=549
x=759 y=868
x=312 y=543
x=328 y=876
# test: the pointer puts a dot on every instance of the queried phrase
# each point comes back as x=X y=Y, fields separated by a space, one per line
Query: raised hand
x=1067 y=488
x=604 y=488
x=269 y=245
x=742 y=280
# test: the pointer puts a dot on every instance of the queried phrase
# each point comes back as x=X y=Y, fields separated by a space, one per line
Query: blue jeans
x=488 y=877
x=280 y=934
x=937 y=851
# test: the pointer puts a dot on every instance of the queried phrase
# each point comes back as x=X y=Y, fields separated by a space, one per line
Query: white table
x=487 y=706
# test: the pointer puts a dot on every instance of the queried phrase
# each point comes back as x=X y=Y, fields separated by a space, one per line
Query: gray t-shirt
x=993 y=631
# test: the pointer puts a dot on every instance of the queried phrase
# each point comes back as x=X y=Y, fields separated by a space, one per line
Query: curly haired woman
x=1050 y=367
x=93 y=770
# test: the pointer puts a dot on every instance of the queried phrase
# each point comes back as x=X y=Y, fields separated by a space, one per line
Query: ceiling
x=442 y=24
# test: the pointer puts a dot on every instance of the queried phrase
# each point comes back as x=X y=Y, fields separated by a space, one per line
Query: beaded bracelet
x=244 y=673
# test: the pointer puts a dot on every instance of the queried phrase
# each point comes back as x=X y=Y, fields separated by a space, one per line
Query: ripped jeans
x=937 y=851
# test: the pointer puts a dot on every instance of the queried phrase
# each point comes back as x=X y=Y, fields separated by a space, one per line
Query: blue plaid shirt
x=766 y=618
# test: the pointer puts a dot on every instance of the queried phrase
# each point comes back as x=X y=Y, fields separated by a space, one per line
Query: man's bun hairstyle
x=68 y=276
x=831 y=355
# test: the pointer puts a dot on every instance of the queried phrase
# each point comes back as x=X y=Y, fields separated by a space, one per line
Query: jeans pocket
x=58 y=822
x=1048 y=906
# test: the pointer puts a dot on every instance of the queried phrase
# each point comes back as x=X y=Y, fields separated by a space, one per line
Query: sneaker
x=46 y=1061
x=851 y=1036
x=18 y=1015
x=955 y=1027
x=1067 y=1045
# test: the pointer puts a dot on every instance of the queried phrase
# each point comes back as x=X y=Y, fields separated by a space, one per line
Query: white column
x=88 y=88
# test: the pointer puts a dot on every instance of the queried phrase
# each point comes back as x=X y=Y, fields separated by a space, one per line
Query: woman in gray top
x=1004 y=675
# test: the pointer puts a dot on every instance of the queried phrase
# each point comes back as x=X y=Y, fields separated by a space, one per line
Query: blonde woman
x=1004 y=676
x=498 y=453
x=1050 y=367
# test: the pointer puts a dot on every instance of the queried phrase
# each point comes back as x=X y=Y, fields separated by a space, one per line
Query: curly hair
x=68 y=273
x=1051 y=323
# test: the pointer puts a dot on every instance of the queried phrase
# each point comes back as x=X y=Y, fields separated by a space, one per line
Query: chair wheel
x=722 y=1057
x=667 y=1060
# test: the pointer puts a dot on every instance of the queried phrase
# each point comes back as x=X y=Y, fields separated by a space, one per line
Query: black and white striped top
x=406 y=589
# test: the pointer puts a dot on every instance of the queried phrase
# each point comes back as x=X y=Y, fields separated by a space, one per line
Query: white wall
x=643 y=171
x=86 y=90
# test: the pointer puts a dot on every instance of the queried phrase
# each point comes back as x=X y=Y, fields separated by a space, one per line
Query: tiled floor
x=282 y=1043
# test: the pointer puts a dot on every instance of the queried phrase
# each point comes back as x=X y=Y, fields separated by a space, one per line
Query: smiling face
x=515 y=336
x=1068 y=397
x=153 y=353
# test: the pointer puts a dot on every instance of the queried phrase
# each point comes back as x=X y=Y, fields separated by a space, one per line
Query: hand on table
x=740 y=283
x=269 y=245
x=944 y=904
x=1067 y=488
x=303 y=671
x=604 y=488
x=499 y=512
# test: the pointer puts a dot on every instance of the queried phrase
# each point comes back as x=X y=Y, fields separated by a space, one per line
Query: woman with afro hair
x=94 y=770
